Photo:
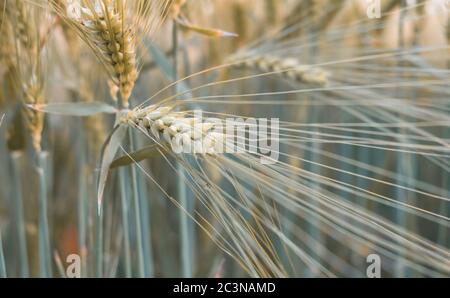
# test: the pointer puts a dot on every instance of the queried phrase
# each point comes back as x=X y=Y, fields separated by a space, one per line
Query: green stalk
x=144 y=214
x=20 y=221
x=186 y=248
x=99 y=239
x=185 y=223
x=146 y=228
x=99 y=243
x=137 y=217
x=2 y=258
x=125 y=220
x=82 y=200
x=82 y=219
x=45 y=264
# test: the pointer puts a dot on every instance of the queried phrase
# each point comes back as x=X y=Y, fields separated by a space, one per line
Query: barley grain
x=181 y=133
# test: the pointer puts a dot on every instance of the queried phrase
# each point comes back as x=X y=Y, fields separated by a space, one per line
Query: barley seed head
x=175 y=129
x=26 y=65
x=33 y=94
x=113 y=29
x=288 y=68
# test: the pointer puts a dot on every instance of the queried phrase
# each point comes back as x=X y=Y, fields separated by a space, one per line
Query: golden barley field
x=224 y=138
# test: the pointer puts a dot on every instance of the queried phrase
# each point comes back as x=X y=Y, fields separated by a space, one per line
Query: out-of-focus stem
x=45 y=264
x=186 y=247
x=2 y=258
x=125 y=220
x=137 y=216
x=82 y=205
x=20 y=221
x=99 y=243
x=146 y=224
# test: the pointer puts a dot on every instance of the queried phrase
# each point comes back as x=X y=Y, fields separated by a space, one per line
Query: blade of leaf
x=136 y=156
x=109 y=151
x=79 y=109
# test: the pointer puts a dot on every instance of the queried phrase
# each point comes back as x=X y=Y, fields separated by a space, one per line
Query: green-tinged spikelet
x=23 y=30
x=25 y=68
x=5 y=31
x=33 y=94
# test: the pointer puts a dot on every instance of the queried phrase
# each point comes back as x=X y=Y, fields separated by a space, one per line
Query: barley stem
x=82 y=205
x=45 y=264
x=125 y=220
x=2 y=258
x=146 y=223
x=137 y=216
x=99 y=243
x=186 y=247
x=99 y=239
x=18 y=201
